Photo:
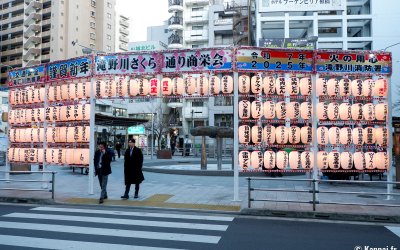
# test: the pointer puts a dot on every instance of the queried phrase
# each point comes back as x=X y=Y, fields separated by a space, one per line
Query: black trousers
x=119 y=153
x=128 y=188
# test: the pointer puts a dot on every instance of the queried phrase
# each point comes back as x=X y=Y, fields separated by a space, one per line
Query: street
x=97 y=227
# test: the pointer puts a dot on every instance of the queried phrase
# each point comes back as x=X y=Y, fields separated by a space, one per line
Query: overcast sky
x=143 y=13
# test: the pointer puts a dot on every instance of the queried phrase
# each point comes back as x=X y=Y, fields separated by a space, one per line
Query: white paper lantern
x=333 y=88
x=293 y=110
x=215 y=85
x=306 y=110
x=256 y=160
x=307 y=160
x=256 y=134
x=269 y=159
x=190 y=85
x=73 y=90
x=282 y=159
x=305 y=86
x=345 y=87
x=269 y=134
x=293 y=86
x=83 y=90
x=244 y=134
x=369 y=112
x=322 y=111
x=244 y=84
x=202 y=85
x=84 y=134
x=333 y=111
x=369 y=160
x=51 y=155
x=357 y=87
x=346 y=160
x=244 y=109
x=133 y=87
x=40 y=155
x=269 y=85
x=322 y=87
x=294 y=135
x=51 y=94
x=381 y=111
x=280 y=85
x=323 y=135
x=294 y=160
x=282 y=135
x=52 y=135
x=345 y=111
x=227 y=84
x=357 y=111
x=359 y=161
x=334 y=160
x=244 y=159
x=179 y=86
x=30 y=95
x=334 y=135
x=346 y=136
x=69 y=159
x=11 y=96
x=81 y=156
x=368 y=87
x=358 y=136
x=322 y=160
x=154 y=87
x=381 y=87
x=166 y=86
x=381 y=136
x=256 y=84
x=269 y=110
x=369 y=135
x=381 y=160
x=306 y=134
x=281 y=110
x=122 y=87
x=144 y=86
x=256 y=109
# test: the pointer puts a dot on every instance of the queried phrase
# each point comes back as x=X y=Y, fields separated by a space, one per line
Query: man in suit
x=133 y=169
x=102 y=164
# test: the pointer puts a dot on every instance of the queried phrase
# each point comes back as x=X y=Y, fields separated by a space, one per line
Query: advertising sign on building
x=289 y=43
x=137 y=130
x=77 y=68
x=121 y=64
x=301 y=5
x=26 y=76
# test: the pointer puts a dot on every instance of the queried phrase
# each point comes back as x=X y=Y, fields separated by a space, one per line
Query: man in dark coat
x=102 y=164
x=133 y=169
x=118 y=148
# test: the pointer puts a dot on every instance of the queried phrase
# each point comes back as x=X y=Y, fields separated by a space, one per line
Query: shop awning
x=105 y=120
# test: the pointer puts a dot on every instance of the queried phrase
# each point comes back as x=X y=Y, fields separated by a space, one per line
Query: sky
x=142 y=13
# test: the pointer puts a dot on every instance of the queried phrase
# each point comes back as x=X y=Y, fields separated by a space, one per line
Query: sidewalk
x=202 y=191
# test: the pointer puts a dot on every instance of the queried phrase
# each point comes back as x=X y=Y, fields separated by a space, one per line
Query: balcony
x=196 y=17
x=123 y=47
x=197 y=2
x=33 y=62
x=34 y=6
x=46 y=33
x=198 y=113
x=46 y=57
x=13 y=30
x=12 y=41
x=46 y=22
x=196 y=35
x=32 y=52
x=33 y=40
x=123 y=39
x=175 y=23
x=11 y=52
x=46 y=45
x=14 y=8
x=175 y=41
x=32 y=18
x=46 y=11
x=29 y=1
x=124 y=31
x=123 y=23
x=175 y=5
x=32 y=30
x=14 y=19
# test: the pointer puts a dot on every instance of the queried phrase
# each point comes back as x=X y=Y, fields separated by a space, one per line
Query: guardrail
x=52 y=181
x=314 y=191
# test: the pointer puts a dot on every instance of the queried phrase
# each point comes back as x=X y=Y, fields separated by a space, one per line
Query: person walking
x=118 y=148
x=102 y=164
x=133 y=169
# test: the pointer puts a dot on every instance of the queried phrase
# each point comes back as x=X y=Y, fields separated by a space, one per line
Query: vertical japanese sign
x=26 y=76
x=274 y=60
x=201 y=60
x=357 y=62
x=120 y=64
x=76 y=68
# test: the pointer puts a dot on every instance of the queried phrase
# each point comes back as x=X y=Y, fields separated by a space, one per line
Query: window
x=108 y=26
x=93 y=13
x=166 y=31
x=108 y=47
x=195 y=46
x=197 y=27
x=62 y=13
x=92 y=46
x=109 y=5
x=93 y=3
x=197 y=104
x=108 y=37
x=77 y=18
x=92 y=25
x=92 y=35
x=4 y=100
x=61 y=49
x=61 y=37
x=109 y=15
x=197 y=8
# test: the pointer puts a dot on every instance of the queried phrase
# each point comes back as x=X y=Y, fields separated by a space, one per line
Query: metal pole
x=219 y=153
x=152 y=136
x=44 y=168
x=249 y=192
x=92 y=141
x=53 y=180
x=314 y=183
x=235 y=137
x=314 y=124
x=390 y=130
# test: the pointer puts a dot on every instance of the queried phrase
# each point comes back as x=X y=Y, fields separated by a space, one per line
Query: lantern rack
x=246 y=146
x=27 y=106
x=276 y=170
x=166 y=97
x=355 y=98
x=68 y=123
x=275 y=121
x=68 y=102
x=352 y=170
x=328 y=123
x=27 y=144
x=281 y=97
x=63 y=144
x=353 y=147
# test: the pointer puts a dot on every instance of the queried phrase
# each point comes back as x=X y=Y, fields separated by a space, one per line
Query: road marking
x=112 y=232
x=395 y=230
x=120 y=221
x=22 y=241
x=142 y=214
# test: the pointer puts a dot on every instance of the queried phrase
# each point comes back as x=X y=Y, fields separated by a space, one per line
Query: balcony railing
x=175 y=2
x=175 y=20
x=175 y=39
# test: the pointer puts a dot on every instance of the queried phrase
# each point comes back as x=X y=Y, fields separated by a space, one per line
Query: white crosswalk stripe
x=141 y=228
x=395 y=230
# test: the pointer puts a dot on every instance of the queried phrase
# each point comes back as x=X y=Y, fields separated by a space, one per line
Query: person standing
x=133 y=169
x=118 y=148
x=102 y=164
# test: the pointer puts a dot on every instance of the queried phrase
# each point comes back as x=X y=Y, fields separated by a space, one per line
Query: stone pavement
x=209 y=191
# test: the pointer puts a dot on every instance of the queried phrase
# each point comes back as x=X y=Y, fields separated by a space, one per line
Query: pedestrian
x=133 y=169
x=118 y=148
x=102 y=164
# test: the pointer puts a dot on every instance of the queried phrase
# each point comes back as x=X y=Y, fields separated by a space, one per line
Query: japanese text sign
x=26 y=76
x=359 y=62
x=201 y=60
x=274 y=60
x=76 y=68
x=301 y=5
x=120 y=64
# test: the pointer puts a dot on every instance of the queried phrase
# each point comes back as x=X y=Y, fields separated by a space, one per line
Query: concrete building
x=122 y=33
x=147 y=46
x=3 y=108
x=159 y=33
x=39 y=31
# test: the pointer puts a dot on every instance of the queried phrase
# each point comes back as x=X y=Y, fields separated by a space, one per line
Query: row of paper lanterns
x=305 y=160
x=78 y=112
x=53 y=134
x=303 y=86
x=295 y=135
x=325 y=111
x=50 y=156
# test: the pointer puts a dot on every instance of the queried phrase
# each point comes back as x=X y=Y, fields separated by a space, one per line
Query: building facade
x=122 y=33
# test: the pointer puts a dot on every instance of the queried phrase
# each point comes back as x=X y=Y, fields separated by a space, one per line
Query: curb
x=27 y=200
x=211 y=172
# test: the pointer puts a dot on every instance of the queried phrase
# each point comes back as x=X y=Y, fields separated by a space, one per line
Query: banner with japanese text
x=357 y=62
x=76 y=68
x=24 y=76
x=274 y=60
x=121 y=64
x=301 y=5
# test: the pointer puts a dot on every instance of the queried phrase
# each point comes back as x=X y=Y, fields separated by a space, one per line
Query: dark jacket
x=106 y=162
x=133 y=166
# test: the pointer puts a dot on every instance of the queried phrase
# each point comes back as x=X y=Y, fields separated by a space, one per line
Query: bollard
x=53 y=178
x=314 y=193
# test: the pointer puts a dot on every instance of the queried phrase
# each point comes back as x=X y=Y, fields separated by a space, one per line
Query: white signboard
x=301 y=5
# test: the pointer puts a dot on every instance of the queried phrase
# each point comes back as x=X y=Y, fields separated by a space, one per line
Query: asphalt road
x=100 y=227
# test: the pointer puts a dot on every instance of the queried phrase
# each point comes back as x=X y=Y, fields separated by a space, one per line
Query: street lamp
x=152 y=135
x=392 y=45
x=87 y=50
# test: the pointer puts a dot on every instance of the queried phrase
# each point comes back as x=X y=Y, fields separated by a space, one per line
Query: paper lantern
x=322 y=87
x=84 y=89
x=322 y=111
x=333 y=111
x=305 y=86
x=155 y=86
x=143 y=86
x=293 y=110
x=381 y=111
x=244 y=134
x=101 y=89
x=244 y=84
x=323 y=135
x=215 y=85
x=334 y=135
x=282 y=135
x=368 y=88
x=52 y=135
x=256 y=134
x=281 y=111
x=11 y=116
x=381 y=136
x=72 y=134
x=346 y=136
x=190 y=85
x=280 y=85
x=227 y=84
x=73 y=90
x=294 y=135
x=334 y=160
x=30 y=95
x=346 y=160
x=69 y=158
x=29 y=135
x=306 y=135
x=256 y=160
x=83 y=134
x=333 y=88
x=293 y=86
x=269 y=85
x=269 y=159
x=202 y=85
x=51 y=155
x=11 y=154
x=256 y=109
x=12 y=134
x=369 y=112
x=244 y=109
x=269 y=134
x=55 y=113
x=345 y=87
x=369 y=135
x=244 y=159
x=11 y=96
x=358 y=136
x=81 y=156
x=322 y=160
x=307 y=160
x=112 y=88
x=381 y=87
x=30 y=116
x=282 y=159
x=178 y=86
x=369 y=160
x=381 y=160
x=357 y=87
x=294 y=160
x=306 y=110
x=40 y=155
x=166 y=86
x=49 y=114
x=359 y=160
x=65 y=92
x=24 y=96
x=51 y=94
x=122 y=87
x=133 y=87
x=357 y=111
x=83 y=112
x=256 y=84
x=345 y=111
x=62 y=134
x=269 y=110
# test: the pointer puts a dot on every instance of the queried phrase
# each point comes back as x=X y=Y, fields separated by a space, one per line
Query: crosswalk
x=77 y=228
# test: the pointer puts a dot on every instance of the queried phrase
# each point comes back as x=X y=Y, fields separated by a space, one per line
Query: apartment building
x=122 y=33
x=39 y=31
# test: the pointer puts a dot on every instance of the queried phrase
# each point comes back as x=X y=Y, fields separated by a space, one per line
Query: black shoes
x=136 y=196
x=101 y=201
x=125 y=197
